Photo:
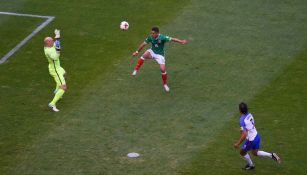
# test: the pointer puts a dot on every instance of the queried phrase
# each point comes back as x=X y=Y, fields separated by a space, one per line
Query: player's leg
x=146 y=55
x=247 y=145
x=56 y=88
x=53 y=73
x=273 y=156
x=161 y=61
x=60 y=80
x=164 y=77
x=257 y=152
x=58 y=95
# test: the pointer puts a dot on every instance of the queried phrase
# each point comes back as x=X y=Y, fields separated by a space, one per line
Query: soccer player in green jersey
x=156 y=52
x=52 y=51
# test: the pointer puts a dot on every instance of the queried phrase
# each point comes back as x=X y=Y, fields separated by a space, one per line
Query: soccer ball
x=124 y=25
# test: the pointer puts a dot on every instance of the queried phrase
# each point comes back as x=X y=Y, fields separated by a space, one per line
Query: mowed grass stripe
x=91 y=50
x=279 y=113
x=10 y=26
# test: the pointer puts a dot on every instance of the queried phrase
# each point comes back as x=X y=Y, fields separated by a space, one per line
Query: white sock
x=264 y=154
x=248 y=159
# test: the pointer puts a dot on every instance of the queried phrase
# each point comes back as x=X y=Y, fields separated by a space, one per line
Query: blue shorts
x=249 y=145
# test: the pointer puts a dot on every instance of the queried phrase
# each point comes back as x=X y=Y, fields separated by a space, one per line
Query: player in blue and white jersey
x=251 y=139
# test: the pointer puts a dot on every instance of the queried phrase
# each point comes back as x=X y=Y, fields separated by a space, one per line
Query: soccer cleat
x=276 y=158
x=248 y=167
x=166 y=88
x=134 y=73
x=53 y=107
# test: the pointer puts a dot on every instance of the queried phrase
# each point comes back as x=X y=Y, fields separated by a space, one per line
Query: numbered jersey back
x=248 y=124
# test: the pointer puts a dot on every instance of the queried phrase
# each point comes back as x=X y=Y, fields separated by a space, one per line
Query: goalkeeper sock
x=57 y=96
x=164 y=77
x=56 y=89
x=139 y=64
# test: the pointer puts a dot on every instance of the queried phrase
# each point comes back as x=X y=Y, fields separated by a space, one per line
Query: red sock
x=139 y=64
x=164 y=78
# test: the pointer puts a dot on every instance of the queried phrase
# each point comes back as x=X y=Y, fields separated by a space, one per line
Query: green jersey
x=157 y=44
x=53 y=58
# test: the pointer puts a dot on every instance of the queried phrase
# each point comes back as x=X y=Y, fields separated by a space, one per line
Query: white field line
x=26 y=39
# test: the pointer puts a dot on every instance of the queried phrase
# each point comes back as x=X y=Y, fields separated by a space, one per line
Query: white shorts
x=159 y=58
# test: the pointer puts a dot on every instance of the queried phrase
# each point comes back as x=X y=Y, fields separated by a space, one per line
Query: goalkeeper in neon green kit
x=52 y=51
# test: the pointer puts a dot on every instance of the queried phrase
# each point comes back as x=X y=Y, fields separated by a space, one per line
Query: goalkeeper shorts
x=58 y=75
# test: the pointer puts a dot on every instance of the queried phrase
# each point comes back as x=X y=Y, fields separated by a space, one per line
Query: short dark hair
x=243 y=108
x=155 y=29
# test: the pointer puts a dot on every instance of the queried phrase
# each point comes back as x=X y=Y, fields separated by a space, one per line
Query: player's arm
x=139 y=48
x=57 y=42
x=243 y=136
x=176 y=40
x=54 y=55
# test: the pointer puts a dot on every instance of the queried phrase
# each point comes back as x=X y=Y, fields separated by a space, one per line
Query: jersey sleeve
x=57 y=44
x=148 y=40
x=167 y=38
x=54 y=55
x=242 y=125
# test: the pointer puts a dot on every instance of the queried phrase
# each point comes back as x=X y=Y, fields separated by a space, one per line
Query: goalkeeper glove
x=57 y=34
x=57 y=45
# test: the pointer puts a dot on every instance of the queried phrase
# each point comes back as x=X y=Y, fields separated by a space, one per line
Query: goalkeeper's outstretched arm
x=57 y=40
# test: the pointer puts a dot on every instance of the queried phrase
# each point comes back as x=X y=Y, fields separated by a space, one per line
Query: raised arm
x=139 y=49
x=57 y=40
x=176 y=40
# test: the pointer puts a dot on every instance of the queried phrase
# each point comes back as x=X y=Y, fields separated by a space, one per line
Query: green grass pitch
x=253 y=51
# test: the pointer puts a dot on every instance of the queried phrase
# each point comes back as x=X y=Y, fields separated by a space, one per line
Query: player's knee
x=148 y=55
x=64 y=87
x=242 y=152
x=145 y=56
x=254 y=152
x=163 y=70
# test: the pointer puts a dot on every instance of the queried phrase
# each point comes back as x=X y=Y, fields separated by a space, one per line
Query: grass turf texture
x=279 y=111
x=236 y=49
x=11 y=27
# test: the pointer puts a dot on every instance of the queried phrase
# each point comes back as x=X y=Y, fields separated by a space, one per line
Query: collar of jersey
x=157 y=37
x=245 y=115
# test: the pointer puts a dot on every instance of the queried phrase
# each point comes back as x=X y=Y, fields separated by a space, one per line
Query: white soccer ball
x=124 y=25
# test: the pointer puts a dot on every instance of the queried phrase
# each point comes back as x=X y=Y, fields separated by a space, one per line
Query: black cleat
x=248 y=167
x=276 y=158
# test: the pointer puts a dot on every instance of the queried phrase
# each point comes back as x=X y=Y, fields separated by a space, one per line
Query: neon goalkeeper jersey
x=53 y=58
